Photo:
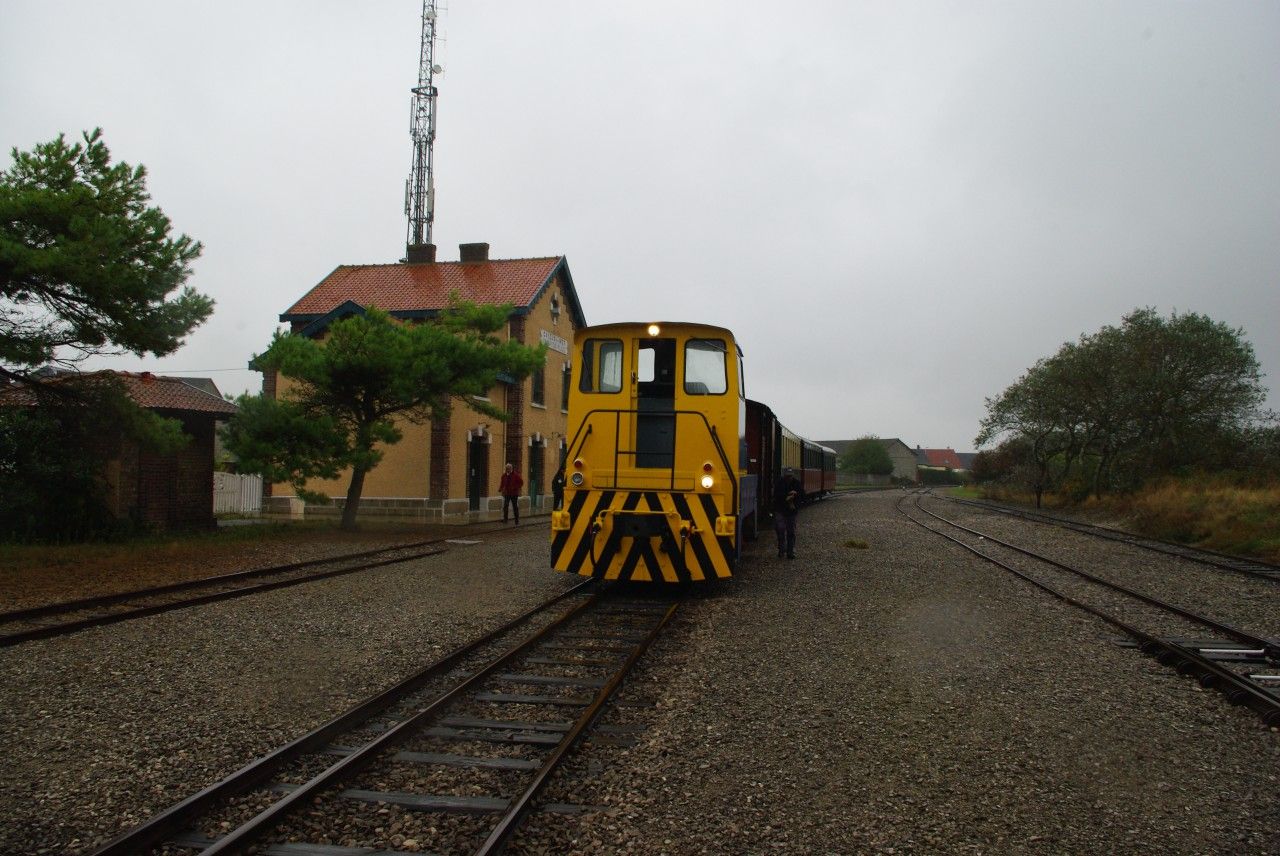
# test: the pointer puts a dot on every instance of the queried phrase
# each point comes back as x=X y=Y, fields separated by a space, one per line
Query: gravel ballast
x=904 y=698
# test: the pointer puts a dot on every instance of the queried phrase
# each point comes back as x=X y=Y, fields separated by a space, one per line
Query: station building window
x=538 y=394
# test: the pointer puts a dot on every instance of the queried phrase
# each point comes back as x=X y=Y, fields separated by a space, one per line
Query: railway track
x=59 y=619
x=1239 y=564
x=1243 y=665
x=468 y=743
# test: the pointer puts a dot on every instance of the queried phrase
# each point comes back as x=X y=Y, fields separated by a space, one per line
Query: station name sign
x=554 y=342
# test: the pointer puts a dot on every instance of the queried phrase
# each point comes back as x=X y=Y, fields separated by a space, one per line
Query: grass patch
x=1211 y=512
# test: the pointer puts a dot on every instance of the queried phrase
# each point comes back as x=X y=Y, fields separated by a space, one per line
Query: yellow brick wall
x=547 y=423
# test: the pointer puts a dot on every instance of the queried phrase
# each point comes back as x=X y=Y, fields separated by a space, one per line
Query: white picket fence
x=237 y=494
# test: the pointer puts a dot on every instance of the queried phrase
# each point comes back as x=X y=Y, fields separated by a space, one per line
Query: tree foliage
x=1148 y=397
x=348 y=392
x=86 y=265
x=867 y=456
x=1002 y=463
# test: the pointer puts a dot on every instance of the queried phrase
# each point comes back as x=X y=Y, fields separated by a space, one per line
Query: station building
x=451 y=467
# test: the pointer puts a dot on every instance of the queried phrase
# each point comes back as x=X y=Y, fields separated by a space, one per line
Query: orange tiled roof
x=940 y=458
x=172 y=393
x=147 y=390
x=398 y=288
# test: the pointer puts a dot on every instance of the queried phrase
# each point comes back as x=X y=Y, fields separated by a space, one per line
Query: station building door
x=477 y=471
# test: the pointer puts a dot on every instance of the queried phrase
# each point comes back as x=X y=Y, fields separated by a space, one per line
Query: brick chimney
x=417 y=253
x=473 y=252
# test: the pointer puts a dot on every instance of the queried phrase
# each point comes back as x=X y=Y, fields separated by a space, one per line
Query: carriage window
x=704 y=367
x=601 y=366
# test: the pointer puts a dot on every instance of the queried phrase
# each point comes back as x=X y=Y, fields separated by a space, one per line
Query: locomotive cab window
x=601 y=366
x=704 y=367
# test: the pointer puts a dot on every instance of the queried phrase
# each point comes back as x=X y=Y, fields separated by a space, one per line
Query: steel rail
x=523 y=803
x=257 y=826
x=134 y=594
x=1239 y=690
x=157 y=829
x=168 y=588
x=63 y=628
x=1213 y=558
x=1236 y=633
x=103 y=620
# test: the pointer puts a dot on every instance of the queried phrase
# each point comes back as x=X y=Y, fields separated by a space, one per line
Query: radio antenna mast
x=420 y=191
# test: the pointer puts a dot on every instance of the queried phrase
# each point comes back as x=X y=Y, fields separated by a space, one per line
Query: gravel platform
x=104 y=728
x=905 y=698
x=909 y=698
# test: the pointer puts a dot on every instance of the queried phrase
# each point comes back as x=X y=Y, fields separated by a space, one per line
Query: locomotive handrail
x=618 y=412
x=574 y=454
x=733 y=479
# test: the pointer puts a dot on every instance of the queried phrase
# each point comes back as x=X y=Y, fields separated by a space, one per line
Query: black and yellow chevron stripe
x=644 y=536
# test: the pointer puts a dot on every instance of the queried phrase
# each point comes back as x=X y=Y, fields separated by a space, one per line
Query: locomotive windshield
x=601 y=366
x=704 y=367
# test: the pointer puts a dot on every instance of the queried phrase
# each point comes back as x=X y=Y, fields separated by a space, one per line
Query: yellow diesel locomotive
x=656 y=461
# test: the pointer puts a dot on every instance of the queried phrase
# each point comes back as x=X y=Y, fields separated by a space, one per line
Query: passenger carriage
x=771 y=448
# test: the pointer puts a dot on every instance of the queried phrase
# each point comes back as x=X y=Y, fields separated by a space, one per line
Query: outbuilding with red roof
x=155 y=490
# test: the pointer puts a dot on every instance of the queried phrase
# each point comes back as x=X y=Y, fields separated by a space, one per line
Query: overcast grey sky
x=898 y=207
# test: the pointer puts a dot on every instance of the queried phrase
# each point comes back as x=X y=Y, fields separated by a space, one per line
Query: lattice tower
x=420 y=191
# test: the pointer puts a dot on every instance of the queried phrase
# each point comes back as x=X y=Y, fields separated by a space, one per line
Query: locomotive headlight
x=576 y=479
x=707 y=482
x=654 y=329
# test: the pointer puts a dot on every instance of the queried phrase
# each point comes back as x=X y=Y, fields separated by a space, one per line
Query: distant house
x=904 y=459
x=173 y=491
x=943 y=459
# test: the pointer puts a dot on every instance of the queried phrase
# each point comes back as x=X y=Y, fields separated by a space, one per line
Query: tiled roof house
x=452 y=466
x=943 y=458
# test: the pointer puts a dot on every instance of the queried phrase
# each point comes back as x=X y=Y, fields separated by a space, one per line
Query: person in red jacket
x=509 y=487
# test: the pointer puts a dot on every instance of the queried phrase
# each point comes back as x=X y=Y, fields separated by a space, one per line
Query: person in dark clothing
x=509 y=487
x=557 y=489
x=787 y=494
